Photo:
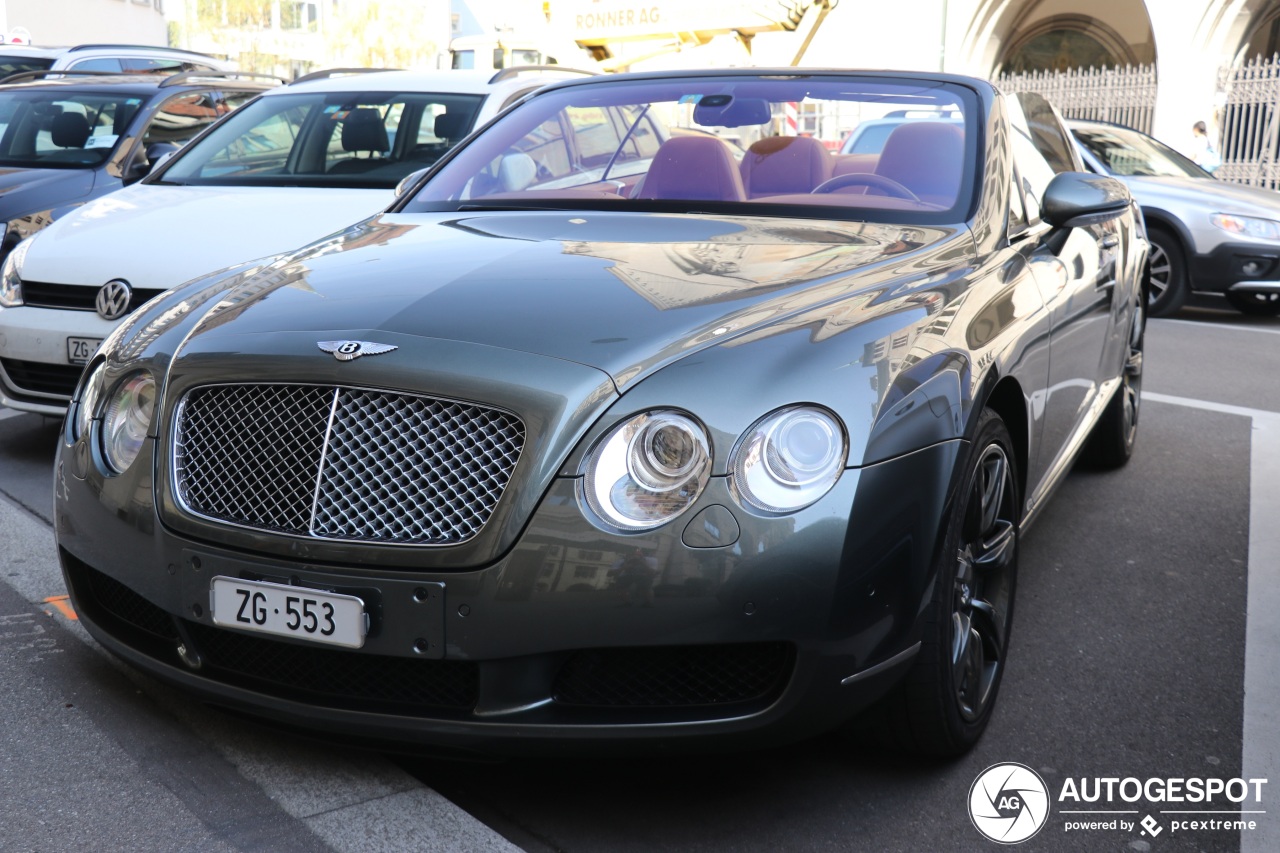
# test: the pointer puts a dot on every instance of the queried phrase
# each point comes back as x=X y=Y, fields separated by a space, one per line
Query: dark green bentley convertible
x=645 y=419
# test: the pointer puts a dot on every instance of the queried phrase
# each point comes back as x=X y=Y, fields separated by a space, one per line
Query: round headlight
x=648 y=470
x=789 y=459
x=87 y=407
x=127 y=417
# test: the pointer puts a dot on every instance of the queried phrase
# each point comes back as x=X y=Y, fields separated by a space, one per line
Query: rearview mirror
x=1076 y=199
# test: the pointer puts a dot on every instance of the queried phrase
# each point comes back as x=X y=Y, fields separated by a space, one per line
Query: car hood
x=1204 y=193
x=156 y=236
x=27 y=191
x=547 y=315
x=624 y=293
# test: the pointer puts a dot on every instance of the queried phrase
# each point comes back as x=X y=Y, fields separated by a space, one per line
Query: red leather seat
x=781 y=165
x=693 y=168
x=926 y=157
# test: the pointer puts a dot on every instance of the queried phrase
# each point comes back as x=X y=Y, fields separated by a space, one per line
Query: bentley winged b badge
x=351 y=350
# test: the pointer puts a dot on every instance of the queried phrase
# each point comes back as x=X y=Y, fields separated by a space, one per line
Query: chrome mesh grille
x=343 y=463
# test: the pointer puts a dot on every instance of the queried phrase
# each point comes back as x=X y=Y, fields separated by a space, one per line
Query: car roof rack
x=21 y=76
x=174 y=79
x=517 y=70
x=184 y=76
x=334 y=72
x=140 y=47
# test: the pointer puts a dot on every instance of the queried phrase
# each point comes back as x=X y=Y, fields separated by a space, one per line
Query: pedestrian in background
x=1203 y=154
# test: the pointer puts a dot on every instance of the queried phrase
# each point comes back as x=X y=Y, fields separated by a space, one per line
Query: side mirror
x=410 y=181
x=160 y=161
x=1076 y=199
x=158 y=151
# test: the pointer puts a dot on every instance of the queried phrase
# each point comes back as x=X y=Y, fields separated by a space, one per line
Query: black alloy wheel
x=983 y=584
x=944 y=703
x=1114 y=435
x=1259 y=303
x=1169 y=282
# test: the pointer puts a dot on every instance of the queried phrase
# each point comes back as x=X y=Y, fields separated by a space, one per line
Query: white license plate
x=80 y=350
x=288 y=611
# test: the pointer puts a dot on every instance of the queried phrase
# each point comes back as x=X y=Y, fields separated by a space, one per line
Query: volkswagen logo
x=113 y=299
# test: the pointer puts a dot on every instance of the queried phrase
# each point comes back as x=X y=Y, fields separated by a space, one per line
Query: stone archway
x=1063 y=42
x=1054 y=34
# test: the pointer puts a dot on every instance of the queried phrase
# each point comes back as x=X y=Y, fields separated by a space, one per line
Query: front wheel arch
x=1168 y=281
x=1006 y=399
x=943 y=704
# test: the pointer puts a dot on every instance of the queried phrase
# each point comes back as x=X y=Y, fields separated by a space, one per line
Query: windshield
x=59 y=129
x=649 y=144
x=349 y=139
x=16 y=64
x=1129 y=153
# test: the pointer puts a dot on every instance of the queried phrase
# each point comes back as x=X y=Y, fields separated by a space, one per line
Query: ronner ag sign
x=595 y=21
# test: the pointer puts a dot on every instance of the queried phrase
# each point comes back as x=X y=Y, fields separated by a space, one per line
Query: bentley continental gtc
x=603 y=435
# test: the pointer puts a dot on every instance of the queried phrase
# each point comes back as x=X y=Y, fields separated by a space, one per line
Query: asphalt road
x=1130 y=655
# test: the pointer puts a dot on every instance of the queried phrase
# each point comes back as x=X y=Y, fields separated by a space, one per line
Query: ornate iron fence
x=1249 y=131
x=1122 y=95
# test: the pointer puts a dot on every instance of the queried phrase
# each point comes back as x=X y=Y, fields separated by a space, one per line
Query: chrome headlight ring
x=87 y=400
x=789 y=459
x=648 y=470
x=126 y=419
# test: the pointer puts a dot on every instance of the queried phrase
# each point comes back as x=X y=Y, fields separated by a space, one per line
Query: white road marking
x=1261 y=753
x=1228 y=328
x=352 y=801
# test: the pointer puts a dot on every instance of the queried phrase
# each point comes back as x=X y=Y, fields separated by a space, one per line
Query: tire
x=1259 y=303
x=1114 y=435
x=942 y=706
x=1169 y=284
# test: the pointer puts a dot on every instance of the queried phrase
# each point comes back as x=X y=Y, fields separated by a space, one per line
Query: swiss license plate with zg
x=80 y=350
x=288 y=611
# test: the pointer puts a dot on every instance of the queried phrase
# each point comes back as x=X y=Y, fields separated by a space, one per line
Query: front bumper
x=1236 y=266
x=787 y=631
x=35 y=372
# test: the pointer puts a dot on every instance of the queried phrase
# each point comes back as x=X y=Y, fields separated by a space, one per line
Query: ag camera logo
x=1009 y=803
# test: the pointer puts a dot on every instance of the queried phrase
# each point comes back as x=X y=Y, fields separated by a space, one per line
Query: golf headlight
x=10 y=280
x=648 y=470
x=1249 y=226
x=127 y=417
x=87 y=407
x=789 y=459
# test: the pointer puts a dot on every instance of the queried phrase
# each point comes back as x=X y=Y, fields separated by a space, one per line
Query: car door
x=1075 y=271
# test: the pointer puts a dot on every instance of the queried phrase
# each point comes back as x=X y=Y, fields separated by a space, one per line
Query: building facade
x=68 y=22
x=293 y=37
